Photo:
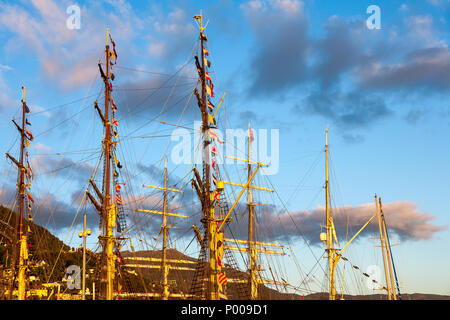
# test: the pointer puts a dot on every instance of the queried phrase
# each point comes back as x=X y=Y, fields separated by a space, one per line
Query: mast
x=20 y=240
x=164 y=228
x=330 y=229
x=208 y=219
x=83 y=234
x=109 y=210
x=252 y=254
x=164 y=270
x=392 y=258
x=383 y=248
x=388 y=252
x=107 y=207
x=252 y=247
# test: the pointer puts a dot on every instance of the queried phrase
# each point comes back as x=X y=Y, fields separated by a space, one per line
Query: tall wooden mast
x=253 y=247
x=109 y=210
x=388 y=251
x=106 y=208
x=20 y=239
x=164 y=228
x=252 y=254
x=331 y=250
x=383 y=248
x=396 y=294
x=208 y=217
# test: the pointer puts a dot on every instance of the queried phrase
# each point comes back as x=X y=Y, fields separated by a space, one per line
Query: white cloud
x=5 y=67
x=67 y=57
x=41 y=147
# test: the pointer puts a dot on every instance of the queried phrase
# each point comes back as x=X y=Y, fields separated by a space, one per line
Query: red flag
x=114 y=49
x=210 y=106
x=30 y=136
x=114 y=104
x=207 y=77
x=250 y=135
x=214 y=136
x=222 y=278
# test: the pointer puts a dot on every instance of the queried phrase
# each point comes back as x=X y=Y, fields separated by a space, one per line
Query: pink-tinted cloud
x=402 y=218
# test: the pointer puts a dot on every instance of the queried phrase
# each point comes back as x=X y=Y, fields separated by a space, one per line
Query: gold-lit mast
x=20 y=239
x=106 y=208
x=208 y=211
x=164 y=228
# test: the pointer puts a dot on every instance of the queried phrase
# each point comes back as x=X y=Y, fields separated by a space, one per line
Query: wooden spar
x=19 y=241
x=383 y=248
x=252 y=254
x=22 y=239
x=164 y=266
x=108 y=206
x=83 y=234
x=208 y=218
x=331 y=251
x=388 y=253
x=398 y=294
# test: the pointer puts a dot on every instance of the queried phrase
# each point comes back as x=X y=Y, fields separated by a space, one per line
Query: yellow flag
x=211 y=119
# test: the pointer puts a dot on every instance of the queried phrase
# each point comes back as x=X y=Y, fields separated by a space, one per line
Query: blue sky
x=294 y=66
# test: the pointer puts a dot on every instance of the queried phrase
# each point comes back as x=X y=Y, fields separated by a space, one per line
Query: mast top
x=326 y=137
x=199 y=18
x=107 y=36
x=23 y=94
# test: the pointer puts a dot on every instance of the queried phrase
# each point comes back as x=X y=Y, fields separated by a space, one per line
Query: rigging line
x=146 y=98
x=154 y=88
x=151 y=72
x=177 y=125
x=288 y=213
x=90 y=150
x=65 y=120
x=181 y=116
x=157 y=116
x=13 y=143
x=313 y=165
x=181 y=68
x=62 y=105
x=76 y=214
x=162 y=136
x=75 y=164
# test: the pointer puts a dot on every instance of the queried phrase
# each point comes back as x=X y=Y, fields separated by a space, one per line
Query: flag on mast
x=250 y=135
x=30 y=197
x=210 y=106
x=114 y=49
